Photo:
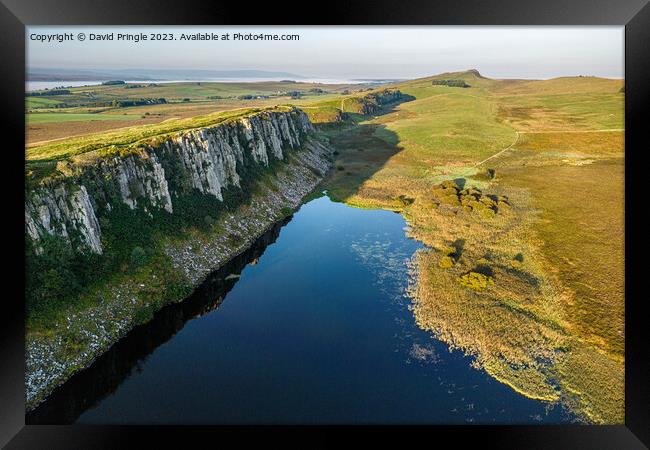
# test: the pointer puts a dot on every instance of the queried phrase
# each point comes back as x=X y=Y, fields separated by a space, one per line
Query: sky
x=347 y=52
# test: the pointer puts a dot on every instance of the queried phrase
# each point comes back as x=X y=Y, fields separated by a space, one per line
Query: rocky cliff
x=208 y=160
x=376 y=102
x=243 y=174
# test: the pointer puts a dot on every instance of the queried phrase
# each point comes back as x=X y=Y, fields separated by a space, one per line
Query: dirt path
x=610 y=130
x=519 y=133
x=499 y=152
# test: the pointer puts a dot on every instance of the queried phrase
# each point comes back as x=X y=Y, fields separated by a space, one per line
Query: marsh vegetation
x=528 y=175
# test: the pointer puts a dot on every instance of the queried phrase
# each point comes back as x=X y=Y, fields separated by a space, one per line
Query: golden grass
x=601 y=143
x=551 y=324
x=582 y=230
x=582 y=227
x=567 y=104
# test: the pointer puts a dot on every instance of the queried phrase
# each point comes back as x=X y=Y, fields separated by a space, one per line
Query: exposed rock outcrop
x=374 y=102
x=207 y=159
x=63 y=210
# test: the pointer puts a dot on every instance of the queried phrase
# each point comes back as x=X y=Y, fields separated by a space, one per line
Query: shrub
x=209 y=221
x=476 y=281
x=487 y=201
x=144 y=314
x=449 y=184
x=446 y=262
x=486 y=213
x=54 y=282
x=517 y=261
x=450 y=83
x=53 y=277
x=405 y=201
x=450 y=199
x=503 y=203
x=47 y=92
x=138 y=257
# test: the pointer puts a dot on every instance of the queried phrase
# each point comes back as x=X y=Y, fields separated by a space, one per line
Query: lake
x=311 y=325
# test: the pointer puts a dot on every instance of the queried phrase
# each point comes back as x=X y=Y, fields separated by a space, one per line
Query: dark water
x=316 y=330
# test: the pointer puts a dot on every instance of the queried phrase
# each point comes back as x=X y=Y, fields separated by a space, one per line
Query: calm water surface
x=316 y=329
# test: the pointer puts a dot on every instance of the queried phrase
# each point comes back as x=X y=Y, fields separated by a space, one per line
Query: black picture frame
x=16 y=14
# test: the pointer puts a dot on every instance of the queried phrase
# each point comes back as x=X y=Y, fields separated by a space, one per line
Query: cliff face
x=207 y=160
x=58 y=210
x=374 y=102
x=156 y=182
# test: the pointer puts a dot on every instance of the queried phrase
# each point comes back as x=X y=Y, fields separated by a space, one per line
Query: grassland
x=550 y=321
x=72 y=117
x=62 y=116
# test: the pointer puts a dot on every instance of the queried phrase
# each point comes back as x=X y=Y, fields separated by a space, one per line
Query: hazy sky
x=351 y=52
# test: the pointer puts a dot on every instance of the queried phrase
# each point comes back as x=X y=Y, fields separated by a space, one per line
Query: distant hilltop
x=476 y=73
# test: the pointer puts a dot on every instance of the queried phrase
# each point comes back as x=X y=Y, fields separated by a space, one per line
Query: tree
x=138 y=257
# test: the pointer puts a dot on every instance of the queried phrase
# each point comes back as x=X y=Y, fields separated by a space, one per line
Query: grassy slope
x=552 y=325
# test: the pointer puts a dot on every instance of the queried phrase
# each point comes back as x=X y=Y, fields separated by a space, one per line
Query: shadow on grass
x=362 y=149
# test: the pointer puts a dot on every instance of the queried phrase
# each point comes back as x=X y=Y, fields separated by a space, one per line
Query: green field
x=88 y=96
x=72 y=117
x=60 y=116
x=40 y=102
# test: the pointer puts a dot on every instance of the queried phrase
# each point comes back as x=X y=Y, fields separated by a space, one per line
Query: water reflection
x=88 y=387
x=318 y=331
